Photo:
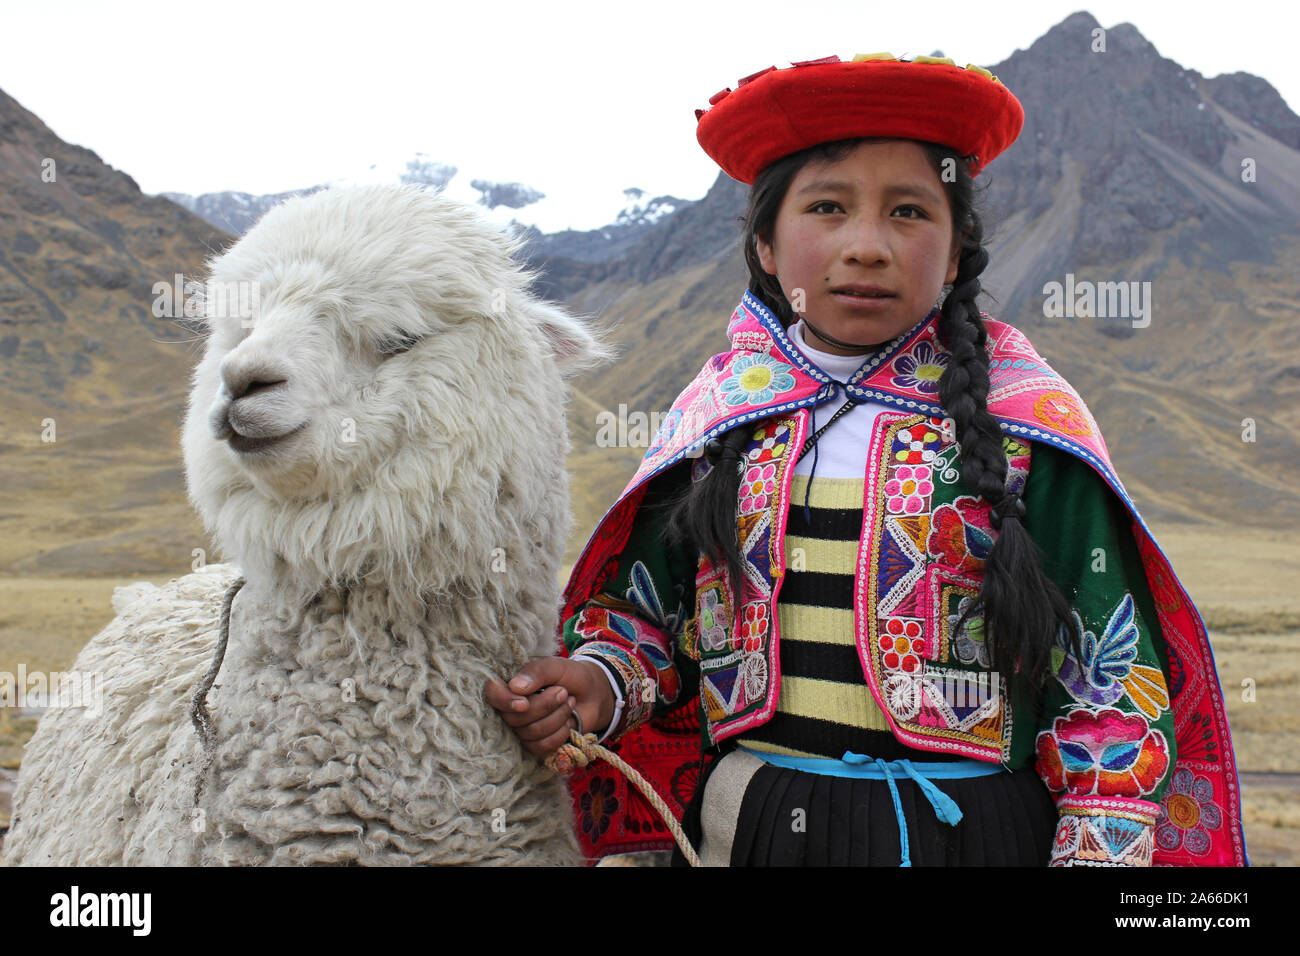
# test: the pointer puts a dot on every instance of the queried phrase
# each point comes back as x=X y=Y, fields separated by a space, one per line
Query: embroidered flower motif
x=597 y=807
x=907 y=492
x=753 y=626
x=1062 y=410
x=753 y=672
x=920 y=369
x=1188 y=814
x=903 y=695
x=756 y=488
x=968 y=643
x=1017 y=464
x=713 y=621
x=756 y=380
x=960 y=534
x=772 y=443
x=916 y=445
x=1067 y=837
x=901 y=642
x=1104 y=752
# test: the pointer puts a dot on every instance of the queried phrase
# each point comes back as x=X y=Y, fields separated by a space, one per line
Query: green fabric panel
x=672 y=571
x=1085 y=533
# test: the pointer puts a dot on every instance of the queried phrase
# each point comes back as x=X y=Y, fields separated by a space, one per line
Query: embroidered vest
x=919 y=558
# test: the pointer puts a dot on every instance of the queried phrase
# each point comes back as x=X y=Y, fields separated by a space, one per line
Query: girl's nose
x=865 y=241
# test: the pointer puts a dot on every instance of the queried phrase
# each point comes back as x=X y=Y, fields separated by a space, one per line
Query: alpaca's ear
x=574 y=344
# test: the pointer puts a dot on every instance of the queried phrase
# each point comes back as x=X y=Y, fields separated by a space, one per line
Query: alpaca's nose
x=244 y=378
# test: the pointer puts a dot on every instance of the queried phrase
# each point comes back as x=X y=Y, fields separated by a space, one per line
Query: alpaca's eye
x=396 y=343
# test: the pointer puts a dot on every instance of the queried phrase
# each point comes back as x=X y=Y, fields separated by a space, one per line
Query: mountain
x=93 y=377
x=1130 y=168
x=233 y=212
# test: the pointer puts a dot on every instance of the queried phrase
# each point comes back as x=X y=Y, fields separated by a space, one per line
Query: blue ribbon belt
x=874 y=768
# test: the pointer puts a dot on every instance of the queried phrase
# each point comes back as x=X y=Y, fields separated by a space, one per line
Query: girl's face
x=875 y=222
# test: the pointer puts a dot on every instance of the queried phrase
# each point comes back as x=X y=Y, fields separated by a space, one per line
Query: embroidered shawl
x=765 y=374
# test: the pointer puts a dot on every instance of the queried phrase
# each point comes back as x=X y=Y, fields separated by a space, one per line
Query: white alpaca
x=382 y=454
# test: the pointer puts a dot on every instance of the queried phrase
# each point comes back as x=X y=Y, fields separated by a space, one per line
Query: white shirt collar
x=838 y=367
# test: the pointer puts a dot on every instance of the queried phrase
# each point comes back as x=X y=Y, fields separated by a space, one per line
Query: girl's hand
x=539 y=701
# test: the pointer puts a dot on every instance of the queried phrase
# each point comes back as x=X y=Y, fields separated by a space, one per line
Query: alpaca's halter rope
x=199 y=715
x=583 y=749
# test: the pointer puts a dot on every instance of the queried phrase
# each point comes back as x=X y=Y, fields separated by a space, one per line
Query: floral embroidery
x=757 y=487
x=772 y=443
x=901 y=642
x=909 y=490
x=969 y=644
x=713 y=620
x=1104 y=752
x=960 y=534
x=756 y=380
x=1061 y=410
x=753 y=625
x=1117 y=833
x=903 y=695
x=753 y=672
x=597 y=807
x=920 y=369
x=1017 y=464
x=916 y=445
x=1188 y=814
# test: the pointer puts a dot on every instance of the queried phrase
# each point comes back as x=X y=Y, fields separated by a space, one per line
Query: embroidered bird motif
x=1107 y=672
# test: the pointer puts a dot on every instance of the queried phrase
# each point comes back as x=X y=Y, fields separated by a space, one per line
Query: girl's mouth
x=862 y=300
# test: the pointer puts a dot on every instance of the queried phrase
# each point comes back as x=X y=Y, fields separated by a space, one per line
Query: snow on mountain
x=530 y=209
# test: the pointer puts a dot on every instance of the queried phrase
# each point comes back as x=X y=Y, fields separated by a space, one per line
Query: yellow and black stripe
x=825 y=706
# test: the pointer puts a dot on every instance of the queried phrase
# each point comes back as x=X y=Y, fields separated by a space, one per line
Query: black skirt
x=793 y=818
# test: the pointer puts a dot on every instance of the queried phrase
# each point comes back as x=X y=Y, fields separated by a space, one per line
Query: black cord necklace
x=866 y=349
x=808 y=443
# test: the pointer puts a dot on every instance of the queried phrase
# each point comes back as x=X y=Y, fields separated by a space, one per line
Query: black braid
x=705 y=513
x=1023 y=609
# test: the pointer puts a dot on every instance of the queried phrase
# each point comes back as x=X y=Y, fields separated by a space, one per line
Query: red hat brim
x=774 y=113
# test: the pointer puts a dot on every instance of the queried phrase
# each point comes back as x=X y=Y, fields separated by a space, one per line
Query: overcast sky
x=577 y=99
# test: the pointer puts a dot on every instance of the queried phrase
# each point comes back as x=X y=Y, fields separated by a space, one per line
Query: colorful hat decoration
x=773 y=113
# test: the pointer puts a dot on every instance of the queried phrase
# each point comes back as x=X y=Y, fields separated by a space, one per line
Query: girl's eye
x=825 y=202
x=915 y=209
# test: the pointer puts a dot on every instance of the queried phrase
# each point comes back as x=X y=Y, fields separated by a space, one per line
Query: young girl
x=876 y=564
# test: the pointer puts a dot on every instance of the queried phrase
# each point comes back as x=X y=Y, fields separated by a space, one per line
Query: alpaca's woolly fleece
x=400 y=531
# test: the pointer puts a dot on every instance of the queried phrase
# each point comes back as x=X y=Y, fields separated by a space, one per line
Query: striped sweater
x=825 y=706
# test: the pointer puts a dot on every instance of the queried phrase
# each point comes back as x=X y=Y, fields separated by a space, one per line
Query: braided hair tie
x=715 y=451
x=1009 y=507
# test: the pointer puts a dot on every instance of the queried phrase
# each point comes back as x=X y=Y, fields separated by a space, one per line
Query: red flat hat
x=773 y=113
